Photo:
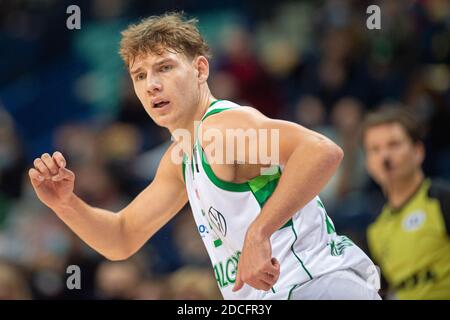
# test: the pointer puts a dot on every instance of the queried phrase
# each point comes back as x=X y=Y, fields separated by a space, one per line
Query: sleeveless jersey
x=307 y=246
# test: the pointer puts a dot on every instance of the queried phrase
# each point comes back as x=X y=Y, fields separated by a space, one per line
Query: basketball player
x=265 y=228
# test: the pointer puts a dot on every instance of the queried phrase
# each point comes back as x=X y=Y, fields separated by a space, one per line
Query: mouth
x=387 y=165
x=160 y=104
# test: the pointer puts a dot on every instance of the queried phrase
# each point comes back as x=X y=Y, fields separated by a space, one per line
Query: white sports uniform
x=307 y=246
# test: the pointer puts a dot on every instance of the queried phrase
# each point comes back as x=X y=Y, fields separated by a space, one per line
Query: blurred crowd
x=311 y=62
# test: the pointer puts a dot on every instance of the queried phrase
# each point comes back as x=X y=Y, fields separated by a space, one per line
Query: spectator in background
x=13 y=284
x=346 y=117
x=118 y=280
x=190 y=283
x=242 y=65
x=12 y=163
x=310 y=112
x=410 y=238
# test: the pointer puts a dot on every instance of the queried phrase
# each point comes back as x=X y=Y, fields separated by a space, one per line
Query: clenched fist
x=51 y=180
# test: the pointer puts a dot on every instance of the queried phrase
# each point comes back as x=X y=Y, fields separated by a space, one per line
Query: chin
x=162 y=122
x=166 y=121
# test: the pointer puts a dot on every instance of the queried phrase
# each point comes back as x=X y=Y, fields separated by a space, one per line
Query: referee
x=410 y=238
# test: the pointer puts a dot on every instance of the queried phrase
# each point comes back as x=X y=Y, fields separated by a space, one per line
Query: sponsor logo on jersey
x=202 y=230
x=226 y=271
x=217 y=220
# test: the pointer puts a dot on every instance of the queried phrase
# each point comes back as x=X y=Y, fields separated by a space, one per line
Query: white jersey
x=307 y=246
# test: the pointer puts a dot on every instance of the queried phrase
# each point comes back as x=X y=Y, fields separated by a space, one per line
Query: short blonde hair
x=170 y=31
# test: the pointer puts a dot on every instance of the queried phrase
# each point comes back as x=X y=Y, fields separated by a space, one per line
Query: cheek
x=373 y=166
x=139 y=92
x=369 y=163
x=185 y=90
x=406 y=157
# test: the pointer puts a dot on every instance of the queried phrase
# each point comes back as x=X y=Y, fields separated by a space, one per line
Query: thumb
x=35 y=177
x=64 y=174
x=276 y=267
x=275 y=263
x=239 y=283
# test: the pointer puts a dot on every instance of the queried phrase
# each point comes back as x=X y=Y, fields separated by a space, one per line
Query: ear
x=201 y=64
x=420 y=153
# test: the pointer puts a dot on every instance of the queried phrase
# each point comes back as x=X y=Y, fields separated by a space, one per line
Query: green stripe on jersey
x=217 y=243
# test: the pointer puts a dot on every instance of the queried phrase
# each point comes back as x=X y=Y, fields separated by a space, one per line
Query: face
x=390 y=154
x=169 y=85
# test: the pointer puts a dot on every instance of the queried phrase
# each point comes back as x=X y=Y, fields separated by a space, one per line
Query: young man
x=268 y=235
x=410 y=238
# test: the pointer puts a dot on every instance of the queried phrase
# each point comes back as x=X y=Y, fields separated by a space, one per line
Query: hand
x=52 y=182
x=256 y=267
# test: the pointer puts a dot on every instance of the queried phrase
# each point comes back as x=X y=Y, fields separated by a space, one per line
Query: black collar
x=400 y=207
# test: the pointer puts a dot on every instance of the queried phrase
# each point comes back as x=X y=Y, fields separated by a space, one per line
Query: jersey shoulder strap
x=217 y=107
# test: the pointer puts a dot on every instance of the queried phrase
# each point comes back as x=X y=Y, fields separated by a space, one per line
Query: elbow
x=338 y=154
x=119 y=250
x=117 y=256
x=333 y=154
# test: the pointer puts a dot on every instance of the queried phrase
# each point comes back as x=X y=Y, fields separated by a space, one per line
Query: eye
x=165 y=68
x=373 y=150
x=394 y=144
x=140 y=76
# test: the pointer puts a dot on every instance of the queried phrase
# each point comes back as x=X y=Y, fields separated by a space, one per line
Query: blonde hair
x=170 y=31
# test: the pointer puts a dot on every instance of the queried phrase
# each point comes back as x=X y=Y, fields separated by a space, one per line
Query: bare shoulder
x=243 y=117
x=170 y=166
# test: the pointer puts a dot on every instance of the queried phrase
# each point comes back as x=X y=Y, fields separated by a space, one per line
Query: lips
x=159 y=103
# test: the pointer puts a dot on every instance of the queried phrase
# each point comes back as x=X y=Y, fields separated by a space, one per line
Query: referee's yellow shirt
x=411 y=244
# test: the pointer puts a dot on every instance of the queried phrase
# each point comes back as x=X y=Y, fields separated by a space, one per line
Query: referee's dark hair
x=391 y=115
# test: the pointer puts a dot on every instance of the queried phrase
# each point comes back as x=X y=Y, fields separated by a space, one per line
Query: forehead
x=148 y=59
x=384 y=133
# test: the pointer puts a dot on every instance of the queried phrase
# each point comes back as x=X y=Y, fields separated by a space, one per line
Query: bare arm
x=114 y=235
x=309 y=160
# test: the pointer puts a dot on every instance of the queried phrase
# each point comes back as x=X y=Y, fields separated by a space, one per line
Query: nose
x=153 y=85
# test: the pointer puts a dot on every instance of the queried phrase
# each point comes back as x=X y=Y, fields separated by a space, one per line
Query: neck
x=189 y=124
x=400 y=191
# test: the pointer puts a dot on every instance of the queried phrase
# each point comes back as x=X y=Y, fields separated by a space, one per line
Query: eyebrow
x=163 y=61
x=135 y=70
